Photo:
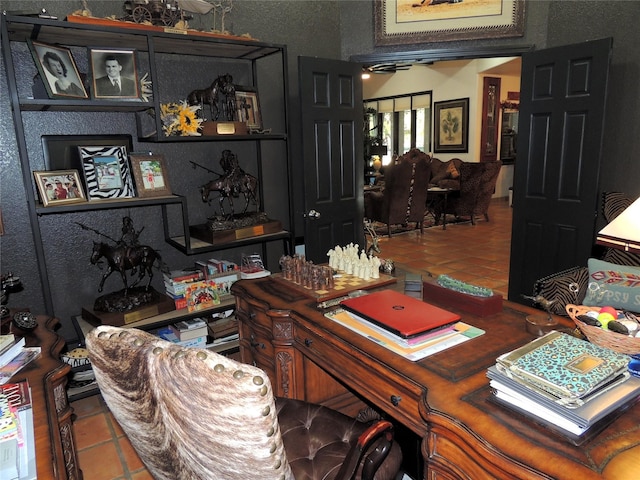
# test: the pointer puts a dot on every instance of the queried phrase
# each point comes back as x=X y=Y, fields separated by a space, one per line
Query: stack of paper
x=571 y=386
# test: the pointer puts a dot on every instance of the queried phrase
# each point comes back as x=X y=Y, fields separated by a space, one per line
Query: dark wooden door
x=332 y=140
x=556 y=177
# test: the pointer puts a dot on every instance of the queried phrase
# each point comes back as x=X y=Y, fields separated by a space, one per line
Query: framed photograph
x=248 y=107
x=106 y=172
x=419 y=21
x=59 y=187
x=58 y=71
x=114 y=74
x=150 y=174
x=451 y=126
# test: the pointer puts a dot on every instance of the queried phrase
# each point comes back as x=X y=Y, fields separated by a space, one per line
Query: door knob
x=312 y=214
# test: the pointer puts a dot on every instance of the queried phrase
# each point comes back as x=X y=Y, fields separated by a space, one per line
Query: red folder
x=401 y=314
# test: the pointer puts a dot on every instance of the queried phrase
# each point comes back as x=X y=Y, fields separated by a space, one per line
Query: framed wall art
x=59 y=187
x=150 y=174
x=58 y=71
x=451 y=126
x=248 y=107
x=419 y=21
x=114 y=74
x=106 y=172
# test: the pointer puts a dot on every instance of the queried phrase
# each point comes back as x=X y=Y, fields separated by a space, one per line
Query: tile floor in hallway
x=477 y=254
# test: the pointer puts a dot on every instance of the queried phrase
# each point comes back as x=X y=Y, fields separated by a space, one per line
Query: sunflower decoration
x=179 y=118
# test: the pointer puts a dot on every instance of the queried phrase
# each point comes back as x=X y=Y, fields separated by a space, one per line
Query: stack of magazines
x=571 y=386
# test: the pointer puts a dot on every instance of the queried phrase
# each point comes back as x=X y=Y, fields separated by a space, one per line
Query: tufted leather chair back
x=192 y=414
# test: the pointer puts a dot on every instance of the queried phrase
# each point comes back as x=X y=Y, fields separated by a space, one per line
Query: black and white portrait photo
x=114 y=74
x=58 y=71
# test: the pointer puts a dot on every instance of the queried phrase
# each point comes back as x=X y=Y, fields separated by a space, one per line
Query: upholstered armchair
x=192 y=414
x=404 y=198
x=477 y=185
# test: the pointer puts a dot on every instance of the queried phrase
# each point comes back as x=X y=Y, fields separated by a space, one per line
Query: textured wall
x=329 y=29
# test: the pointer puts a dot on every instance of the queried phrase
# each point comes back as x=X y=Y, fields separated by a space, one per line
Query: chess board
x=343 y=284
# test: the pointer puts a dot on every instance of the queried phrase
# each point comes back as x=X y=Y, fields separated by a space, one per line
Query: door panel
x=556 y=178
x=332 y=122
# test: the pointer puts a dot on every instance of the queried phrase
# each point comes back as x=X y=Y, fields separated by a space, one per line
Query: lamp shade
x=623 y=232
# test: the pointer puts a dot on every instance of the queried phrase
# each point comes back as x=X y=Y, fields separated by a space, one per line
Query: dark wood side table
x=56 y=456
x=437 y=200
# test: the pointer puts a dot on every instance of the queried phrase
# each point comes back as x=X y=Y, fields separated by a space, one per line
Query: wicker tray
x=604 y=338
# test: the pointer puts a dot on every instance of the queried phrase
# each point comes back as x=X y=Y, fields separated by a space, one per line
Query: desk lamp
x=623 y=232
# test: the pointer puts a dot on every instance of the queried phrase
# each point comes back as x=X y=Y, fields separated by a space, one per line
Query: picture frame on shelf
x=106 y=172
x=451 y=126
x=59 y=187
x=109 y=66
x=248 y=107
x=58 y=71
x=398 y=22
x=150 y=174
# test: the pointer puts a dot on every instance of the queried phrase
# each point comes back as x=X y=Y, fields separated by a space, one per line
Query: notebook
x=401 y=314
x=564 y=366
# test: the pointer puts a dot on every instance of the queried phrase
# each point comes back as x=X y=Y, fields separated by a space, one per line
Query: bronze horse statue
x=121 y=258
x=207 y=96
x=230 y=186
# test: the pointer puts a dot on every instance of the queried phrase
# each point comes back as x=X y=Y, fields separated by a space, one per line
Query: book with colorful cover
x=563 y=366
x=202 y=295
x=11 y=351
x=27 y=355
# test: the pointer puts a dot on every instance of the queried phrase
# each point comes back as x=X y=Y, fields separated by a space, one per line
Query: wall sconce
x=623 y=232
x=366 y=73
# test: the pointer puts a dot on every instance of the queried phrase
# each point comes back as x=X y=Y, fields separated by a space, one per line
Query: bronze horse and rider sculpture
x=233 y=182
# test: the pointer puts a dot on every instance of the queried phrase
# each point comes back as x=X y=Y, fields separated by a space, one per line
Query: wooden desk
x=443 y=398
x=55 y=446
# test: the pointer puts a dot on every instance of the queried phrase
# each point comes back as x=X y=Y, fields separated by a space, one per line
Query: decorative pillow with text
x=613 y=285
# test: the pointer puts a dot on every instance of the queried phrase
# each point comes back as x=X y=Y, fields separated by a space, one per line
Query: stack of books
x=572 y=387
x=223 y=331
x=203 y=286
x=187 y=333
x=17 y=442
x=14 y=356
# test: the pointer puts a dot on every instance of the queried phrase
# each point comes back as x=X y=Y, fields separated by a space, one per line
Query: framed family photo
x=248 y=107
x=419 y=21
x=114 y=74
x=58 y=71
x=106 y=172
x=150 y=174
x=451 y=126
x=59 y=187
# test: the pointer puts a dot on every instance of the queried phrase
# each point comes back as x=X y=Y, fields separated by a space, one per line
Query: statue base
x=247 y=225
x=118 y=309
x=210 y=129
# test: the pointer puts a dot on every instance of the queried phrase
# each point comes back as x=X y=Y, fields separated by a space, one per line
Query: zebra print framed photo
x=59 y=187
x=106 y=172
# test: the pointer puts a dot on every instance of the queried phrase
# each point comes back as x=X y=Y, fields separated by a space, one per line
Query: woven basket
x=604 y=338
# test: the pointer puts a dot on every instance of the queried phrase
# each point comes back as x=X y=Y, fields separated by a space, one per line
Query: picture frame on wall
x=150 y=174
x=58 y=71
x=106 y=172
x=248 y=107
x=451 y=126
x=59 y=187
x=114 y=74
x=398 y=22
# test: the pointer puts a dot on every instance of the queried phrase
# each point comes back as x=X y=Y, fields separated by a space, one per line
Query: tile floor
x=477 y=254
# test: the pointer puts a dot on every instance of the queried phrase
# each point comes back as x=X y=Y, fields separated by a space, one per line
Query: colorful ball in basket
x=604 y=318
x=610 y=310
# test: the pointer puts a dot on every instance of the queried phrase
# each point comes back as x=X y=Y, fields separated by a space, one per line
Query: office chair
x=193 y=414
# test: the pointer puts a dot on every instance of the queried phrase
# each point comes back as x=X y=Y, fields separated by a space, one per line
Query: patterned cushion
x=452 y=171
x=613 y=285
x=563 y=288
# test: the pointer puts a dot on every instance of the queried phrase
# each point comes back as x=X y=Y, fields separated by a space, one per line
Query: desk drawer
x=387 y=390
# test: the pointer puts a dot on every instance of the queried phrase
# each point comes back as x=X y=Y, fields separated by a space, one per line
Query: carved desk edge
x=56 y=456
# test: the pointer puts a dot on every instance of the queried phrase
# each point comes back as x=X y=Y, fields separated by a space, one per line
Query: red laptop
x=401 y=314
